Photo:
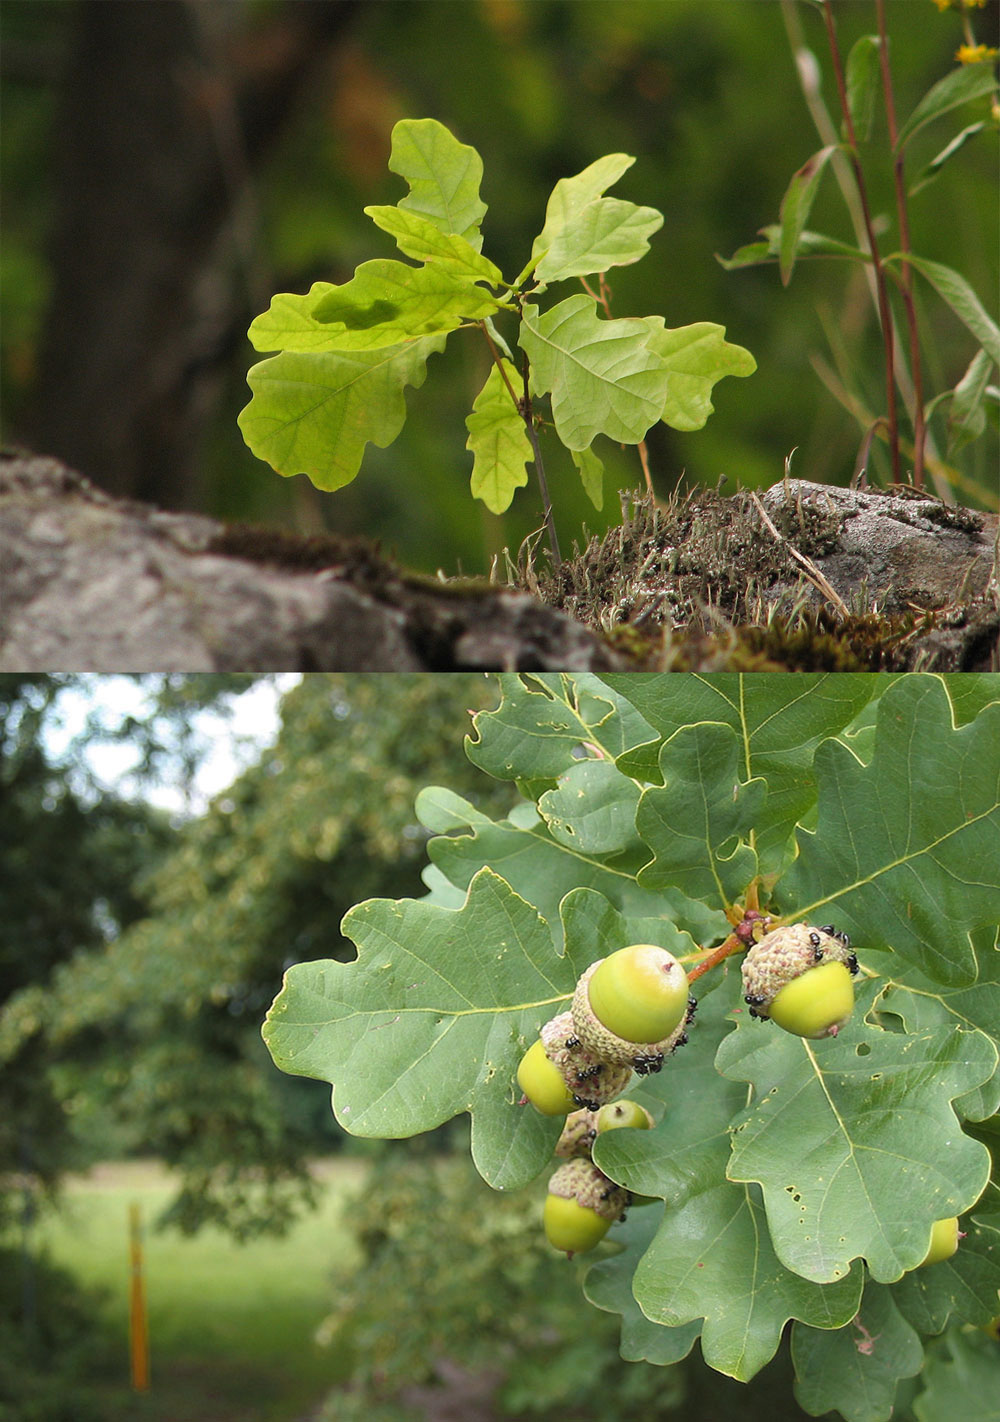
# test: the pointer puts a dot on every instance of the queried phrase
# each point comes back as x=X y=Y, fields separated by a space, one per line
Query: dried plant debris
x=805 y=577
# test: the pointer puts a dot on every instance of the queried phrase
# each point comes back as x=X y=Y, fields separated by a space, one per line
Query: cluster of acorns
x=631 y=1010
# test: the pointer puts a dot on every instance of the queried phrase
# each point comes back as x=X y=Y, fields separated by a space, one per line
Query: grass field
x=231 y=1327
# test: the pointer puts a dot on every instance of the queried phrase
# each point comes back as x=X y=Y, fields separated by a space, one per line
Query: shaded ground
x=804 y=577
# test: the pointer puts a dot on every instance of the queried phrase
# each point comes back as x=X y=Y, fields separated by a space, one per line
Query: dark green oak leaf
x=778 y=727
x=711 y=1257
x=431 y=1021
x=854 y=1140
x=855 y=1370
x=608 y=1285
x=909 y=841
x=699 y=823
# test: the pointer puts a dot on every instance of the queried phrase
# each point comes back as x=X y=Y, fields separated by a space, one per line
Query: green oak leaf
x=855 y=1370
x=417 y=236
x=698 y=823
x=544 y=871
x=313 y=413
x=909 y=841
x=499 y=442
x=778 y=727
x=431 y=1021
x=711 y=1257
x=603 y=376
x=697 y=357
x=443 y=176
x=591 y=471
x=854 y=1140
x=966 y=1285
x=384 y=304
x=543 y=720
x=585 y=232
x=919 y=1003
x=387 y=302
x=592 y=808
x=608 y=1285
x=960 y=1380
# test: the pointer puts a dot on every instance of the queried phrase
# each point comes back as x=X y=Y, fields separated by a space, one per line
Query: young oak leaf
x=697 y=356
x=854 y=1140
x=384 y=304
x=419 y=237
x=443 y=175
x=498 y=441
x=430 y=1021
x=909 y=841
x=602 y=375
x=313 y=413
x=585 y=232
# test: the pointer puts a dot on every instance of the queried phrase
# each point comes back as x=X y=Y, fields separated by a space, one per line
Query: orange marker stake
x=138 y=1326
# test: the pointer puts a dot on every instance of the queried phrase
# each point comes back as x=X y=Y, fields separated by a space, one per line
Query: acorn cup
x=801 y=978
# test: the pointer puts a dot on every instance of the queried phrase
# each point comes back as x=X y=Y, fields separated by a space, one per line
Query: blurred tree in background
x=137 y=1016
x=170 y=165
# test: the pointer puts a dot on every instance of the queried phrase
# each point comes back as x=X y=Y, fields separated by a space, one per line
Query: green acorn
x=591 y=1079
x=639 y=992
x=580 y=1207
x=801 y=978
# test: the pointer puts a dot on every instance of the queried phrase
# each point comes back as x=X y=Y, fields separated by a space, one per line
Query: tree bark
x=165 y=109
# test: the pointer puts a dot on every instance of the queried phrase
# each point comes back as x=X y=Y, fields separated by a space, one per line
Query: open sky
x=234 y=738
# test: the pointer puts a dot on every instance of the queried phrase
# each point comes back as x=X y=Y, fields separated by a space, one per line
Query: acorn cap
x=785 y=954
x=642 y=1057
x=581 y=1180
x=591 y=1079
x=577 y=1135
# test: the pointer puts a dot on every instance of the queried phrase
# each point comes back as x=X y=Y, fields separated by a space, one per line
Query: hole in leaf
x=863 y=1049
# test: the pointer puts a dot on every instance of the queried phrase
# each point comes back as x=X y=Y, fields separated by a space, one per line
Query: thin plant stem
x=529 y=423
x=885 y=314
x=904 y=236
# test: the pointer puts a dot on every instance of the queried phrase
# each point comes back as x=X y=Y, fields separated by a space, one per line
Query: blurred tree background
x=170 y=165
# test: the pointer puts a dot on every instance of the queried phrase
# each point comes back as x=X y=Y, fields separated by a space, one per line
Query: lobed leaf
x=606 y=233
x=388 y=302
x=430 y=1021
x=778 y=731
x=417 y=236
x=603 y=376
x=711 y=1257
x=608 y=1285
x=855 y=1370
x=697 y=357
x=499 y=442
x=854 y=1140
x=313 y=413
x=443 y=176
x=905 y=848
x=698 y=824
